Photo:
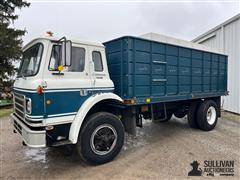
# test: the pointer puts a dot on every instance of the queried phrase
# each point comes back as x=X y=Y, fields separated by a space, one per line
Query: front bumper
x=32 y=138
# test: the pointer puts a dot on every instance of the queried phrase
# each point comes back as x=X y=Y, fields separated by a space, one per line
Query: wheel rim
x=103 y=139
x=211 y=115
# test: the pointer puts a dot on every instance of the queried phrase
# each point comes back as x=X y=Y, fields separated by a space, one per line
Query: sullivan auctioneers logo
x=212 y=168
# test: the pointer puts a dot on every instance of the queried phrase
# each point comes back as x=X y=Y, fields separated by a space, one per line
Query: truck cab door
x=69 y=89
x=98 y=68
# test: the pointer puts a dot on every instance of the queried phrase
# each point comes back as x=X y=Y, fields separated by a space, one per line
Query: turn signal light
x=49 y=102
x=49 y=128
x=39 y=89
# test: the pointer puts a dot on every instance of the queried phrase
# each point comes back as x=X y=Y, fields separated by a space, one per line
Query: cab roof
x=74 y=41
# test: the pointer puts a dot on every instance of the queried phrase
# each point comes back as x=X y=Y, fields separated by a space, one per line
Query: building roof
x=234 y=18
x=179 y=42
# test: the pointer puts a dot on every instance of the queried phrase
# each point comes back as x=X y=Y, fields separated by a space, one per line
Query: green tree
x=10 y=39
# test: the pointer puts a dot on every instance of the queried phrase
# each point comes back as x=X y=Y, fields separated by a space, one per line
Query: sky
x=106 y=20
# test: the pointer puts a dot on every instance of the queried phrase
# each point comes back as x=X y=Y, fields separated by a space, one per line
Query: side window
x=78 y=59
x=55 y=57
x=97 y=59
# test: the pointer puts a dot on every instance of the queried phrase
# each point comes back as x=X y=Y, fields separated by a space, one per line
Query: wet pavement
x=159 y=151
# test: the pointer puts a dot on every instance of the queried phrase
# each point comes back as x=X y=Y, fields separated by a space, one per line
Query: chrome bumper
x=32 y=138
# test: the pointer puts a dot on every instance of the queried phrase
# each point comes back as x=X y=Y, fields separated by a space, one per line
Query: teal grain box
x=142 y=68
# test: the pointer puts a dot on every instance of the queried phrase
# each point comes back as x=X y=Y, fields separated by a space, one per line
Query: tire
x=179 y=114
x=192 y=115
x=101 y=138
x=207 y=115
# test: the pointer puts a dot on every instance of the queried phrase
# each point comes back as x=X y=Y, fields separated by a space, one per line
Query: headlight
x=28 y=106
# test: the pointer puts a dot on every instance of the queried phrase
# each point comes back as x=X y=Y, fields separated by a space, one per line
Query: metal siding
x=162 y=71
x=214 y=41
x=228 y=38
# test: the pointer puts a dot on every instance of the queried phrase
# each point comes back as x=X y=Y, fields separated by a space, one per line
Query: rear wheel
x=207 y=115
x=101 y=138
x=180 y=114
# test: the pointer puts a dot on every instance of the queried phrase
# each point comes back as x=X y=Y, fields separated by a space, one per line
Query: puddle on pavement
x=35 y=155
x=44 y=155
x=140 y=139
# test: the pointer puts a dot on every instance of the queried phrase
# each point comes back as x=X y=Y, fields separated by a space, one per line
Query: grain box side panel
x=144 y=69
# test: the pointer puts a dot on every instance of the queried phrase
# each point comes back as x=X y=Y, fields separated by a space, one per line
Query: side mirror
x=66 y=53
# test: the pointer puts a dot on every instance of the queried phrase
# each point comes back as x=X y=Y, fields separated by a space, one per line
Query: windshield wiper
x=22 y=76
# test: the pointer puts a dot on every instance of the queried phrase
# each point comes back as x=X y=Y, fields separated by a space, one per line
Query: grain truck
x=89 y=94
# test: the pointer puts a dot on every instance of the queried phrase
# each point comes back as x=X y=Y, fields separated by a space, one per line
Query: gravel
x=159 y=151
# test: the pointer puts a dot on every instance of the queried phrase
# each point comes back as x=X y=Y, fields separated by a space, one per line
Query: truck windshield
x=31 y=61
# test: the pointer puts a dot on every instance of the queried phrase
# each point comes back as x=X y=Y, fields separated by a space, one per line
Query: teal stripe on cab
x=67 y=89
x=62 y=102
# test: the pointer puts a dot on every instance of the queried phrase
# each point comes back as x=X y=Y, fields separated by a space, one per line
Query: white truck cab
x=58 y=83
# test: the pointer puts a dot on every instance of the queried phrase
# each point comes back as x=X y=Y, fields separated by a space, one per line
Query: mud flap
x=129 y=120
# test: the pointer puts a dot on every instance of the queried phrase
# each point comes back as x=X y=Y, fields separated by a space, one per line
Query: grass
x=5 y=112
x=4 y=102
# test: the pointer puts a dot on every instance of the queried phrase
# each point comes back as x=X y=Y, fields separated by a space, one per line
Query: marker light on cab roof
x=49 y=34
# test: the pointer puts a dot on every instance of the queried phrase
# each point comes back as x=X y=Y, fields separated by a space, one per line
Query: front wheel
x=101 y=138
x=207 y=115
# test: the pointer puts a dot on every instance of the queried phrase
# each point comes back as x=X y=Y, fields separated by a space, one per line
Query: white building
x=226 y=37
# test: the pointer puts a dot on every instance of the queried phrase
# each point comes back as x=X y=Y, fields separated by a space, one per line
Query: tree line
x=10 y=41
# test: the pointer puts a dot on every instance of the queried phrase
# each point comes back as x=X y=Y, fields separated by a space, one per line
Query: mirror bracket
x=66 y=51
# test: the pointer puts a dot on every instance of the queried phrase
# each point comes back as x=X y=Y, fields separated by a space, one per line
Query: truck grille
x=19 y=102
x=19 y=105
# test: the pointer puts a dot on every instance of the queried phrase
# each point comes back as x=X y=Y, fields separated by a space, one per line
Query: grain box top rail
x=173 y=41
